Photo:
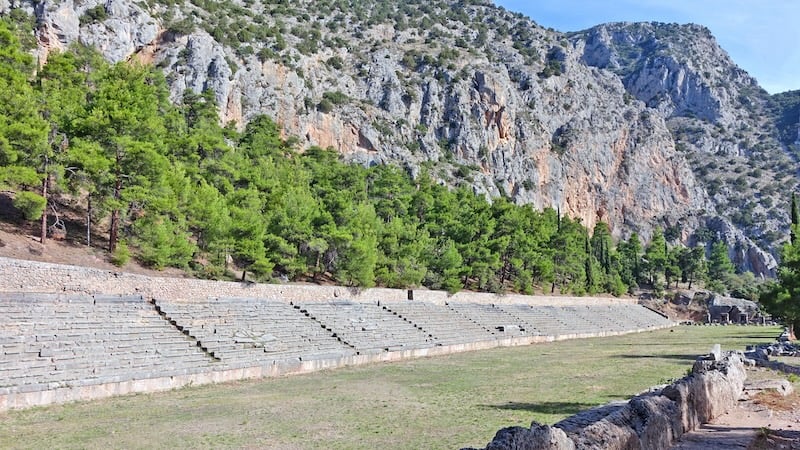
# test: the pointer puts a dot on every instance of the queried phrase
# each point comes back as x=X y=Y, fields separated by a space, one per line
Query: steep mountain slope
x=618 y=123
x=786 y=106
x=718 y=115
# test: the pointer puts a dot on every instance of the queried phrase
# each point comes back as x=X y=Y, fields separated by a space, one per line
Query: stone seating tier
x=49 y=341
x=250 y=331
x=74 y=340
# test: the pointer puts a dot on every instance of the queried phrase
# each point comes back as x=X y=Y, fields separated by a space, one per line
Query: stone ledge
x=21 y=276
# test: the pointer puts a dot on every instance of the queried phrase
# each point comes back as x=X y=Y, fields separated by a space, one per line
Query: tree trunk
x=113 y=233
x=45 y=185
x=89 y=221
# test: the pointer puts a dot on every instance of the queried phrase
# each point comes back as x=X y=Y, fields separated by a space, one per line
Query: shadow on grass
x=559 y=408
x=691 y=358
x=752 y=336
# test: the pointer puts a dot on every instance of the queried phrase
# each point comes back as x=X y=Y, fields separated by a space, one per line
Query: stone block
x=783 y=387
x=537 y=437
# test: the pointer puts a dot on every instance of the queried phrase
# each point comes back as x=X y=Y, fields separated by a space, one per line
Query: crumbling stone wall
x=651 y=421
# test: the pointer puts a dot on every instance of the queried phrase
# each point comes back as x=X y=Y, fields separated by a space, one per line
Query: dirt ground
x=14 y=244
x=767 y=421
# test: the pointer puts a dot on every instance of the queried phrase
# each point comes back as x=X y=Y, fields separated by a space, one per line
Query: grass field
x=445 y=402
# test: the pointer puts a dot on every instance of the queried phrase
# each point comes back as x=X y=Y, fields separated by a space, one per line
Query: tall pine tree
x=782 y=298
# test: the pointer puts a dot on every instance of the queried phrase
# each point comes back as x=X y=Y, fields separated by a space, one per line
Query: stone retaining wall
x=20 y=276
x=652 y=421
x=30 y=276
x=11 y=399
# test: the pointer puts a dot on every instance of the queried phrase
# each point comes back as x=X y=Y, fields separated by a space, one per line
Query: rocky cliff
x=619 y=123
x=734 y=135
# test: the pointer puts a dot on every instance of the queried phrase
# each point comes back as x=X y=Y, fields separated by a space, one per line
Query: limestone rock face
x=60 y=26
x=125 y=30
x=611 y=124
x=718 y=116
x=743 y=252
x=677 y=74
x=198 y=64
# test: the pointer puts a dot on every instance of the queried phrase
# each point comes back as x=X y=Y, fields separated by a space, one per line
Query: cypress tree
x=588 y=265
x=795 y=218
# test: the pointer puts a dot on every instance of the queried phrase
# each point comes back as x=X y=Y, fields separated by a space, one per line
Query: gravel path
x=751 y=425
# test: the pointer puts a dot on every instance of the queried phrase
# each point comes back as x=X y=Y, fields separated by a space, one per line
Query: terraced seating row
x=444 y=325
x=491 y=318
x=242 y=332
x=541 y=320
x=367 y=327
x=52 y=341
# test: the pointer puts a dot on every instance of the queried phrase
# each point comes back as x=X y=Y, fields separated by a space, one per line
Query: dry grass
x=446 y=402
x=776 y=401
x=767 y=439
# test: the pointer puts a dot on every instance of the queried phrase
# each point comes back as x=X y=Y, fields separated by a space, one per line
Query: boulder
x=537 y=437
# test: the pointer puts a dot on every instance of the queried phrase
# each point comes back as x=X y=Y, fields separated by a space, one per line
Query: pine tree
x=692 y=264
x=782 y=298
x=656 y=257
x=126 y=119
x=590 y=281
x=602 y=246
x=24 y=147
x=719 y=263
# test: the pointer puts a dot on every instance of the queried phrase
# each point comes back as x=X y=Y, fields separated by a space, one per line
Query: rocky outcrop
x=537 y=437
x=125 y=28
x=718 y=116
x=650 y=421
x=742 y=251
x=593 y=124
x=676 y=69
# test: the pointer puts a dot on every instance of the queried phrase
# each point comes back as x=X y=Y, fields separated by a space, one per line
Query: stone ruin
x=728 y=310
x=651 y=421
x=761 y=354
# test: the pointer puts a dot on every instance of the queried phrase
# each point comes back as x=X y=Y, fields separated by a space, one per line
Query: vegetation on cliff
x=172 y=187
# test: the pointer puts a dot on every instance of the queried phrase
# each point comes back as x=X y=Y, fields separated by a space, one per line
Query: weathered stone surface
x=537 y=437
x=783 y=387
x=650 y=421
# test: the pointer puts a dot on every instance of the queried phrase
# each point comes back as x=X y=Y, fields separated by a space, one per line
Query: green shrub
x=325 y=106
x=337 y=98
x=336 y=62
x=93 y=15
x=30 y=204
x=121 y=254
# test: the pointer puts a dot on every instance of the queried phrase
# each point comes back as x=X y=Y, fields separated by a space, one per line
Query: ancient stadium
x=75 y=334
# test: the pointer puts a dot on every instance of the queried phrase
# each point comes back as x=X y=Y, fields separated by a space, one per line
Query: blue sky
x=762 y=36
